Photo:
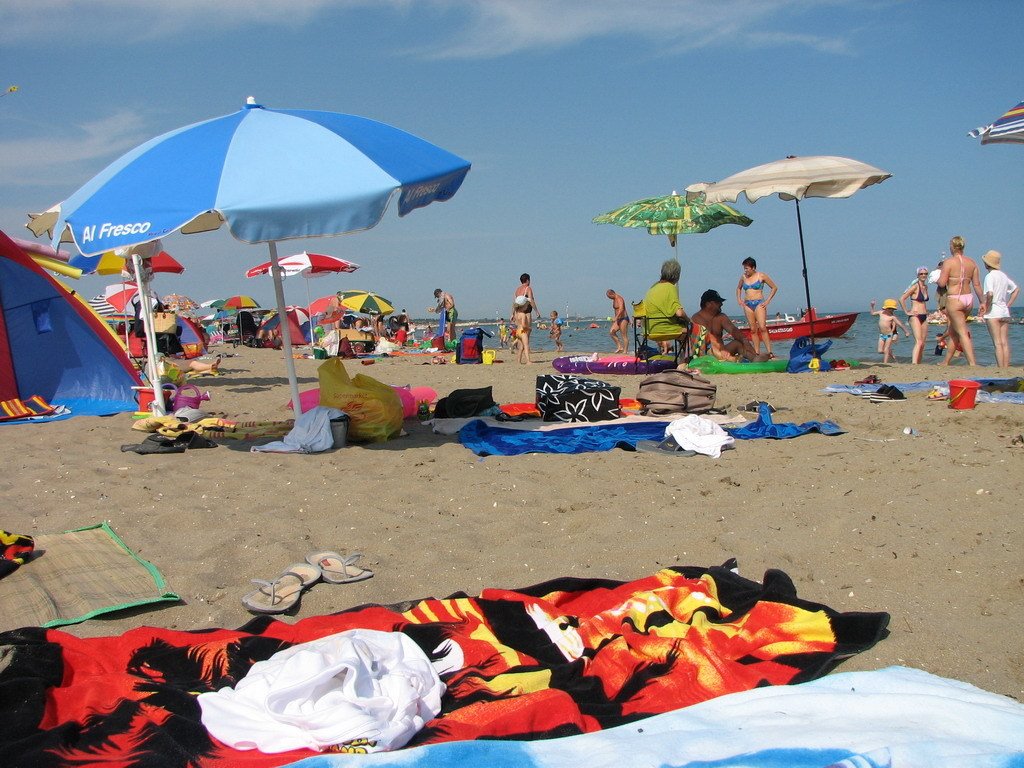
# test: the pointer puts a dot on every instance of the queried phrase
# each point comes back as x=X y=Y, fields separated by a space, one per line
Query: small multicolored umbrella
x=1008 y=129
x=365 y=302
x=673 y=215
x=236 y=302
x=175 y=302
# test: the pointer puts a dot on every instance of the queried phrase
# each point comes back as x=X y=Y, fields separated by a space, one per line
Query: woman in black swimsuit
x=918 y=312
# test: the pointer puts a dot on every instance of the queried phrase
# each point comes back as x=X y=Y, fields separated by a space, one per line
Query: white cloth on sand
x=696 y=433
x=358 y=684
x=311 y=433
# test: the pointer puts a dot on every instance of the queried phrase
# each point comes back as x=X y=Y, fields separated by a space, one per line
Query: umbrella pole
x=309 y=314
x=803 y=259
x=146 y=313
x=286 y=336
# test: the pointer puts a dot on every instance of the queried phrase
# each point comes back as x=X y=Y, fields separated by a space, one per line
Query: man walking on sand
x=620 y=323
x=446 y=304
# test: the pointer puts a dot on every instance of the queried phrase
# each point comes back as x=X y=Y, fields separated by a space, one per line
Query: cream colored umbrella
x=795 y=178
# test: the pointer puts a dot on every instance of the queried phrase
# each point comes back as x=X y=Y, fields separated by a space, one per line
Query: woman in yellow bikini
x=960 y=277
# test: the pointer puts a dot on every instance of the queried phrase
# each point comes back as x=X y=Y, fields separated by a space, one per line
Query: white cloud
x=74 y=154
x=480 y=28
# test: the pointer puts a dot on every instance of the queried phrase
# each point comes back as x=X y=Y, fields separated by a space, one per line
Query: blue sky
x=566 y=110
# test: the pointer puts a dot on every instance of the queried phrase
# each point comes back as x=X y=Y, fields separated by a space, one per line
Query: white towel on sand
x=696 y=433
x=358 y=684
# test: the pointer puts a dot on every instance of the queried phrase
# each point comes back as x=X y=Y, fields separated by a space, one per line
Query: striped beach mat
x=16 y=408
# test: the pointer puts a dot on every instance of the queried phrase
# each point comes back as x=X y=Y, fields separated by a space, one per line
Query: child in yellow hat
x=888 y=324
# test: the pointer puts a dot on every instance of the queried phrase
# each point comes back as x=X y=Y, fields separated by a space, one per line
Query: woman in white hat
x=917 y=295
x=1000 y=293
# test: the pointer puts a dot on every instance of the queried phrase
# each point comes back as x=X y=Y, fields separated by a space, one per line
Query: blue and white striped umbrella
x=1008 y=129
x=270 y=174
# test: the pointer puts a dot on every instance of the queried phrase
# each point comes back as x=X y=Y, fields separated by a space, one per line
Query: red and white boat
x=825 y=326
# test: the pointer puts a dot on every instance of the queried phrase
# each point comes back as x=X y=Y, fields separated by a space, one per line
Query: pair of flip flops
x=885 y=394
x=872 y=379
x=283 y=593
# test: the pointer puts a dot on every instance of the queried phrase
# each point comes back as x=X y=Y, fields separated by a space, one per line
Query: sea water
x=860 y=342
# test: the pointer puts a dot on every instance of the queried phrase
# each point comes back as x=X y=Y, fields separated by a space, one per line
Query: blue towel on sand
x=890 y=717
x=764 y=427
x=485 y=440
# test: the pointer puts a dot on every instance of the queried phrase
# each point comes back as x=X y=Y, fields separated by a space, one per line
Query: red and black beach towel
x=559 y=658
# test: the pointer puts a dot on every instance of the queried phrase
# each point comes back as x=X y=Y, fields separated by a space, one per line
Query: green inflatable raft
x=708 y=364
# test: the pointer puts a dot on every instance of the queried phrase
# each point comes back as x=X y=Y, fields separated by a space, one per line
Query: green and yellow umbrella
x=674 y=215
x=365 y=302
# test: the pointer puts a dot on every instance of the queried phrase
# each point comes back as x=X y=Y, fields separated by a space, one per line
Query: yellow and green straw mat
x=78 y=575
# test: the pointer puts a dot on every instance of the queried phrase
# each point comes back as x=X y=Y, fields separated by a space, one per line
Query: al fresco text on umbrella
x=107 y=229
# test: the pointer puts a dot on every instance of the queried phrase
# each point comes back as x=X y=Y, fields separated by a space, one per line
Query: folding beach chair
x=651 y=328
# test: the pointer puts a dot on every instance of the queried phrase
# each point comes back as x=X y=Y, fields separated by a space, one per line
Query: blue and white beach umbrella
x=269 y=174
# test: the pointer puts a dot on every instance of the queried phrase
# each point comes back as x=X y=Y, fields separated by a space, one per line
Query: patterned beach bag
x=571 y=398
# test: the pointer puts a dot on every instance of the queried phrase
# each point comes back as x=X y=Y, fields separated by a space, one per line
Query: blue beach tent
x=53 y=346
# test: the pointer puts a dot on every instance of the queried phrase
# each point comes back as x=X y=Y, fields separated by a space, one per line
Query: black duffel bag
x=464 y=403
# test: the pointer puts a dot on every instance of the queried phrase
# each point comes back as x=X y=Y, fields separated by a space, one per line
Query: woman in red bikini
x=959 y=276
x=918 y=312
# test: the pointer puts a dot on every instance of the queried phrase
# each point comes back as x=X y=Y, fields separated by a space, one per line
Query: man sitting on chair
x=714 y=324
x=666 y=318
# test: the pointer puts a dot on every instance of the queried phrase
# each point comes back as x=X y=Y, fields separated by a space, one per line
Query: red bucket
x=963 y=393
x=146 y=397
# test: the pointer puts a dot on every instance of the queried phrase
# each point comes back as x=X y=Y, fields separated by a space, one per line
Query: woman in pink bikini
x=960 y=277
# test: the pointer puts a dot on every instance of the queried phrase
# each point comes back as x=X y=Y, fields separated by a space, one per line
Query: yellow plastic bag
x=374 y=409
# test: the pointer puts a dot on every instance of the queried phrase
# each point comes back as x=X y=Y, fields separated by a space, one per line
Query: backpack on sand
x=674 y=391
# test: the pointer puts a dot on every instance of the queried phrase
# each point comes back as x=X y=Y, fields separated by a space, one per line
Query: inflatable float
x=617 y=364
x=708 y=364
x=409 y=396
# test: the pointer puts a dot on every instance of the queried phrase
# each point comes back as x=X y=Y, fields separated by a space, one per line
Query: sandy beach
x=926 y=528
